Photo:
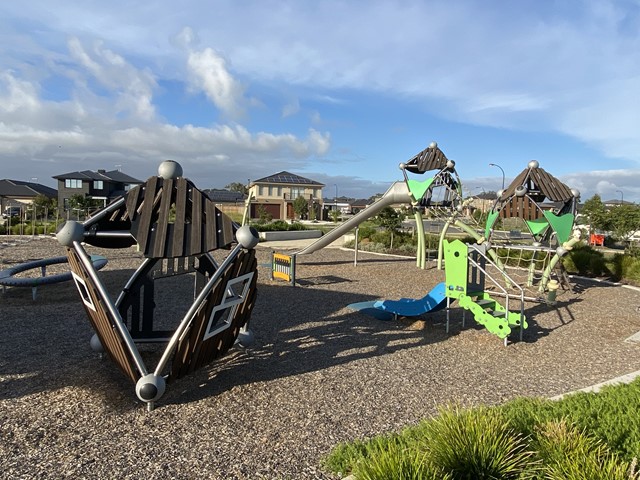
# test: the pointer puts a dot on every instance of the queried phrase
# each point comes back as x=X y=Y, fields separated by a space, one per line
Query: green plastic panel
x=456 y=268
x=537 y=226
x=563 y=225
x=491 y=219
x=418 y=188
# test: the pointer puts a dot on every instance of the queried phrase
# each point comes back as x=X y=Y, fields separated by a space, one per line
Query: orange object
x=597 y=240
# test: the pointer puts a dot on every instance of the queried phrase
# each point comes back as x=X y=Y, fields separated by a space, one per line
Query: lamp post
x=496 y=165
x=335 y=199
x=621 y=196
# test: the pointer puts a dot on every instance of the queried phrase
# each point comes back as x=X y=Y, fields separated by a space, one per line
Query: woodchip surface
x=318 y=374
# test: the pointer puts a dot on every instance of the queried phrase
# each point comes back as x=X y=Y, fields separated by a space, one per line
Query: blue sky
x=337 y=91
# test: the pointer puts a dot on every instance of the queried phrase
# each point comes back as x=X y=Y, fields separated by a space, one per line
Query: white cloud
x=209 y=74
x=132 y=87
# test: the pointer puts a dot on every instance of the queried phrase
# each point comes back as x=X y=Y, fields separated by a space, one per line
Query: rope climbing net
x=531 y=267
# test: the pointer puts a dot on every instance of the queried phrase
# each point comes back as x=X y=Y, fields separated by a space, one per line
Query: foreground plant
x=476 y=443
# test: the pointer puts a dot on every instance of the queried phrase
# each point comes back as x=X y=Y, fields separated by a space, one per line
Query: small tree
x=390 y=220
x=624 y=220
x=597 y=214
x=300 y=207
x=237 y=187
x=80 y=202
x=263 y=215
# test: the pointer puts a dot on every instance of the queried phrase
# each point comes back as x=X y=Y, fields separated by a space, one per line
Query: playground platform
x=319 y=374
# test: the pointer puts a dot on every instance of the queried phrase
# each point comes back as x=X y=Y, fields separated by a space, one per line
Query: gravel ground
x=319 y=373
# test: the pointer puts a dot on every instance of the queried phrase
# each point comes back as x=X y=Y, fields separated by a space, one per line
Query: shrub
x=278 y=226
x=568 y=453
x=475 y=443
x=399 y=463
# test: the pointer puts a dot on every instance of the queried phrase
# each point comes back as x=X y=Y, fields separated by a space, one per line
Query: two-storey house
x=100 y=186
x=276 y=193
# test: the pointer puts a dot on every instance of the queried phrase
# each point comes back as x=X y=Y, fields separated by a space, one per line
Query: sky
x=340 y=92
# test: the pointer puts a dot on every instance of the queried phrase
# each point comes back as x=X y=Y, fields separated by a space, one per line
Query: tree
x=43 y=204
x=80 y=202
x=301 y=207
x=390 y=220
x=624 y=220
x=596 y=214
x=237 y=187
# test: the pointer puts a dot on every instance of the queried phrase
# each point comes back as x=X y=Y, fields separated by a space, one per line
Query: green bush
x=278 y=226
x=490 y=439
x=475 y=443
x=567 y=453
x=397 y=462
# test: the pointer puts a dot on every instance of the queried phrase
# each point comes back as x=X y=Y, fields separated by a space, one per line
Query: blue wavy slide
x=405 y=307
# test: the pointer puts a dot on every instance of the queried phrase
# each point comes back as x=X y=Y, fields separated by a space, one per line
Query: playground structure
x=8 y=277
x=547 y=208
x=476 y=273
x=177 y=228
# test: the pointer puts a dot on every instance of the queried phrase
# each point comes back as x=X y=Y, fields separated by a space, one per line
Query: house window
x=98 y=184
x=73 y=183
x=296 y=192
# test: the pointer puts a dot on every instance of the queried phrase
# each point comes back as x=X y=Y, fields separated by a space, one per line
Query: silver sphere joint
x=459 y=207
x=521 y=191
x=247 y=237
x=533 y=164
x=169 y=169
x=150 y=387
x=575 y=192
x=96 y=344
x=451 y=164
x=246 y=338
x=402 y=166
x=433 y=144
x=70 y=232
x=499 y=193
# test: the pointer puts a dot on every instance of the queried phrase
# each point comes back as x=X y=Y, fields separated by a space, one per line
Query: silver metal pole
x=122 y=328
x=188 y=317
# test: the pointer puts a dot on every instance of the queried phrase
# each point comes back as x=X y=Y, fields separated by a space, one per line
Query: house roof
x=18 y=188
x=113 y=175
x=288 y=178
x=220 y=195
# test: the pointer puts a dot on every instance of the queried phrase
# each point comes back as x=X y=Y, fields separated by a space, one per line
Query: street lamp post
x=621 y=196
x=335 y=199
x=496 y=165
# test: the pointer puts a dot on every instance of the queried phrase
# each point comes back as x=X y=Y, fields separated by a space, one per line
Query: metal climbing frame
x=176 y=228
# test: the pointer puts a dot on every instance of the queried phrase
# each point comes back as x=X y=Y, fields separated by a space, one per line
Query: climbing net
x=530 y=266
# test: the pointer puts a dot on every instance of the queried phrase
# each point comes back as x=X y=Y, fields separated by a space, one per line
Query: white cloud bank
x=568 y=67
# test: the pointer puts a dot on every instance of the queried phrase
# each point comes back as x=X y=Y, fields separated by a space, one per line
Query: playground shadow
x=299 y=331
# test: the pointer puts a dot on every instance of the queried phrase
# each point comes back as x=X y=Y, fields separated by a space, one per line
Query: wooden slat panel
x=160 y=240
x=112 y=342
x=144 y=223
x=177 y=244
x=211 y=238
x=226 y=236
x=196 y=222
x=134 y=197
x=193 y=353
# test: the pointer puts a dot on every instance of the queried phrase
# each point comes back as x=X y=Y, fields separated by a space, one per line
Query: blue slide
x=405 y=307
